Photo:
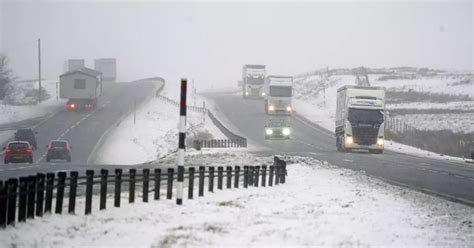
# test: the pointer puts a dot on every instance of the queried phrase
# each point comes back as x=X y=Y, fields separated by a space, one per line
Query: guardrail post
x=89 y=188
x=270 y=175
x=246 y=176
x=211 y=179
x=236 y=176
x=169 y=191
x=49 y=192
x=264 y=175
x=23 y=191
x=201 y=180
x=60 y=192
x=72 y=191
x=146 y=180
x=257 y=175
x=30 y=212
x=3 y=204
x=229 y=177
x=220 y=174
x=157 y=183
x=11 y=194
x=40 y=179
x=104 y=174
x=118 y=187
x=131 y=186
x=191 y=182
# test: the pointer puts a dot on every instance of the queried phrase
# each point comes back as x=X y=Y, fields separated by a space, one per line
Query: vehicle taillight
x=88 y=105
x=8 y=151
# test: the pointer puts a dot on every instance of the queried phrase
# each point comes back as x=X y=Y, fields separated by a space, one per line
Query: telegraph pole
x=181 y=141
x=39 y=70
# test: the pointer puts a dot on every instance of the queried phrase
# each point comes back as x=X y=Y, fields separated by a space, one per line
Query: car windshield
x=366 y=115
x=17 y=145
x=58 y=144
x=255 y=80
x=280 y=91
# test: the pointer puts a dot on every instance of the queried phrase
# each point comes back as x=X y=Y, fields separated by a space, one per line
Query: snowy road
x=82 y=129
x=454 y=180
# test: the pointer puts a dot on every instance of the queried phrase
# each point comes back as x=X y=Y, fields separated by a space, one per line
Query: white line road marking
x=20 y=168
x=348 y=160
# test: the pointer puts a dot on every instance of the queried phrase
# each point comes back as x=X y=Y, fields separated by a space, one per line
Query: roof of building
x=83 y=70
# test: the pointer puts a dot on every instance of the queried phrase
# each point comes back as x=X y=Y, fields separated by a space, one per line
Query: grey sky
x=211 y=41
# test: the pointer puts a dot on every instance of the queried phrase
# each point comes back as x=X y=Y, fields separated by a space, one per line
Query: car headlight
x=246 y=93
x=380 y=141
x=269 y=132
x=263 y=93
x=271 y=108
x=288 y=108
x=349 y=140
x=286 y=131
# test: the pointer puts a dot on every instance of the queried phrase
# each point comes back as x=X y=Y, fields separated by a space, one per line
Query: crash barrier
x=229 y=134
x=33 y=196
x=219 y=143
x=176 y=103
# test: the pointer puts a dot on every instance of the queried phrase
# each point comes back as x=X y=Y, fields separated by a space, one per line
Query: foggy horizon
x=211 y=41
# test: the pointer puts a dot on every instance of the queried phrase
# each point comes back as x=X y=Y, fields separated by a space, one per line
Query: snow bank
x=320 y=205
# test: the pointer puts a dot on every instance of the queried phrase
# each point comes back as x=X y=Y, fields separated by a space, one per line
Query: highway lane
x=453 y=180
x=82 y=129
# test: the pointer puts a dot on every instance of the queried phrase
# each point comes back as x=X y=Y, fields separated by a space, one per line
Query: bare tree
x=5 y=75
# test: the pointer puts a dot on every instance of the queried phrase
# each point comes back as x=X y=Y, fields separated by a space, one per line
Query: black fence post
x=220 y=174
x=277 y=175
x=60 y=192
x=3 y=204
x=40 y=177
x=30 y=211
x=89 y=188
x=270 y=175
x=229 y=177
x=23 y=191
x=131 y=186
x=118 y=187
x=72 y=191
x=246 y=176
x=257 y=175
x=169 y=190
x=49 y=192
x=211 y=179
x=157 y=183
x=264 y=175
x=201 y=180
x=251 y=175
x=11 y=194
x=191 y=182
x=104 y=175
x=236 y=176
x=146 y=181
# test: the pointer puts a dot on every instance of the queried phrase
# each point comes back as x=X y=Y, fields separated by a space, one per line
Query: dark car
x=26 y=134
x=18 y=151
x=59 y=149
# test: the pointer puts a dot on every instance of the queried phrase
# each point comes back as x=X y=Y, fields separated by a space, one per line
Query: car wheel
x=30 y=161
x=69 y=158
x=48 y=159
x=5 y=161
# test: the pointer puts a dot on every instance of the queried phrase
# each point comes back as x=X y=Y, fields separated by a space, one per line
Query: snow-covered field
x=152 y=133
x=320 y=205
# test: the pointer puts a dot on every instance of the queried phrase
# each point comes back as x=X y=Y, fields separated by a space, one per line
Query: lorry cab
x=279 y=91
x=360 y=117
x=253 y=78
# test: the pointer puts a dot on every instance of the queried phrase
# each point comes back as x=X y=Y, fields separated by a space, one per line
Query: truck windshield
x=280 y=91
x=255 y=80
x=366 y=115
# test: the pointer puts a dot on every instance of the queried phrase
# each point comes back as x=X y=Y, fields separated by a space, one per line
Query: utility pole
x=39 y=70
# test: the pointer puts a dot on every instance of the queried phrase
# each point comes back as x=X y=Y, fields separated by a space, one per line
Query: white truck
x=82 y=87
x=108 y=68
x=360 y=116
x=73 y=64
x=253 y=79
x=278 y=94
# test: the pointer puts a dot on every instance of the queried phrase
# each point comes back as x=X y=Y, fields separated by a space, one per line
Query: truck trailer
x=108 y=68
x=81 y=87
x=360 y=118
x=278 y=94
x=253 y=77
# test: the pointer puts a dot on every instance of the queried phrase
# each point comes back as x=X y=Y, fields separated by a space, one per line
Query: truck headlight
x=269 y=132
x=286 y=131
x=288 y=108
x=380 y=141
x=271 y=108
x=349 y=140
x=246 y=93
x=263 y=93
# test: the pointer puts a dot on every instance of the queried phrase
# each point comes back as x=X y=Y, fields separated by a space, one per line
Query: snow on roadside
x=320 y=205
x=154 y=133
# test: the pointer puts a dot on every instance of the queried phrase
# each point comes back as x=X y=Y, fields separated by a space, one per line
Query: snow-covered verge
x=320 y=205
x=152 y=133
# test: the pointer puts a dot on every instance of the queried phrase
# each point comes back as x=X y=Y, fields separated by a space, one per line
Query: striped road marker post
x=181 y=142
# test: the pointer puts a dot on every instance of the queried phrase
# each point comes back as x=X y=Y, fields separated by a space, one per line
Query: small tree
x=5 y=75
